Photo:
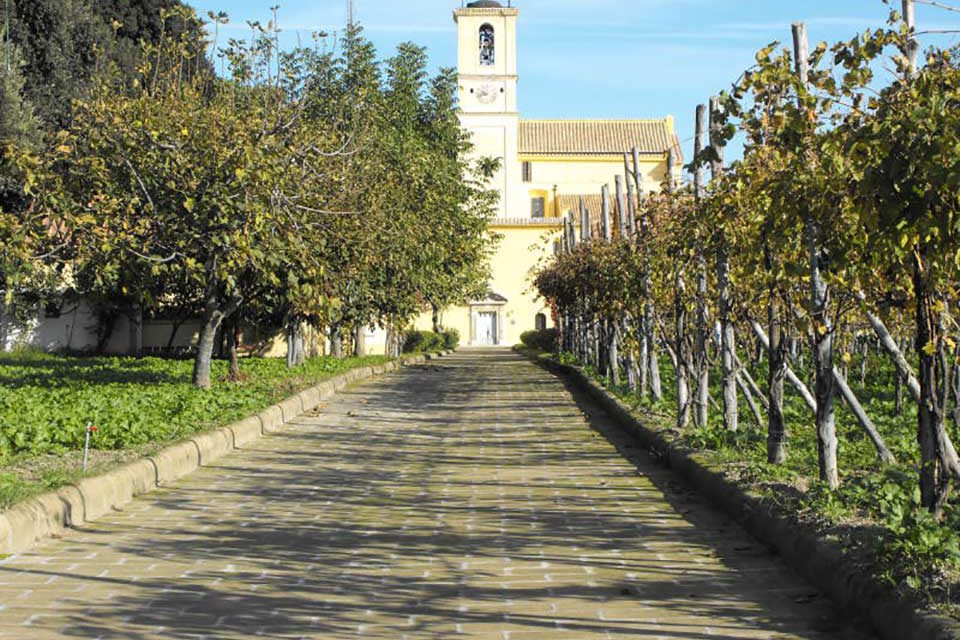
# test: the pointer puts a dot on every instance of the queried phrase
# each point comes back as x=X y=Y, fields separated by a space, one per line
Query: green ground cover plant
x=46 y=402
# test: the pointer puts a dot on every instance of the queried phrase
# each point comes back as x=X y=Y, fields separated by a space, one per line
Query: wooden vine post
x=649 y=310
x=626 y=322
x=641 y=361
x=701 y=360
x=728 y=340
x=820 y=303
x=680 y=319
x=609 y=329
x=585 y=324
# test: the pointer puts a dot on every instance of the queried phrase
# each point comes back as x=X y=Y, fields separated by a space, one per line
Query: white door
x=487 y=328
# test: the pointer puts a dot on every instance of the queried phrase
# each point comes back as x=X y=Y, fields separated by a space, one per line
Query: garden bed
x=137 y=405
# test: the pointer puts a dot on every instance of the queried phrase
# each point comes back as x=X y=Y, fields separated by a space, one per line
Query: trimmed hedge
x=451 y=339
x=427 y=341
x=544 y=340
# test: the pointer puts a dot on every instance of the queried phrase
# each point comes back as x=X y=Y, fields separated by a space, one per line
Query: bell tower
x=487 y=91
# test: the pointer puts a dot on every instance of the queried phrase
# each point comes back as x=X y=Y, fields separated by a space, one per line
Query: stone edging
x=819 y=560
x=50 y=514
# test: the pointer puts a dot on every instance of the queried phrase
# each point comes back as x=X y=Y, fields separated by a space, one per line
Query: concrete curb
x=822 y=562
x=49 y=515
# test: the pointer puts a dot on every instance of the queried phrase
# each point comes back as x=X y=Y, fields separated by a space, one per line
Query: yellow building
x=546 y=166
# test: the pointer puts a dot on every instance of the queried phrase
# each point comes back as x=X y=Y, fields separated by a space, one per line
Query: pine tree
x=18 y=124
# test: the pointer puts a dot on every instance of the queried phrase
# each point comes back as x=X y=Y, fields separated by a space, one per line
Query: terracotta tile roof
x=527 y=222
x=594 y=137
x=570 y=206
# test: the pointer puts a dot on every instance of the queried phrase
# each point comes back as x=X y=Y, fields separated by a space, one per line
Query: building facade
x=547 y=166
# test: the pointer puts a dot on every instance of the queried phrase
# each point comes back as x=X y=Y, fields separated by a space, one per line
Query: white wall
x=76 y=330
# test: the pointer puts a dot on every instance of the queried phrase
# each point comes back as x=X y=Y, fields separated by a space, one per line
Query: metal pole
x=86 y=446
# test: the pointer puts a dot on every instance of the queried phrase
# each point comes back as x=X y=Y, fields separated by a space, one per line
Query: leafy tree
x=905 y=185
x=59 y=41
x=187 y=173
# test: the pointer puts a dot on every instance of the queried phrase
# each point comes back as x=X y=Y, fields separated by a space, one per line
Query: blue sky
x=600 y=58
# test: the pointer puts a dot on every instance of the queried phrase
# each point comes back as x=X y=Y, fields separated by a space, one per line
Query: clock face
x=487 y=93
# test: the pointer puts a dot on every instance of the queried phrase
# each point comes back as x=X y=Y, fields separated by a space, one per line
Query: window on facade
x=487 y=49
x=528 y=172
x=541 y=322
x=538 y=207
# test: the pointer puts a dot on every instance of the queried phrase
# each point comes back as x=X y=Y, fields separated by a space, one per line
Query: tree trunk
x=4 y=312
x=205 y=346
x=389 y=347
x=360 y=341
x=597 y=345
x=215 y=311
x=728 y=340
x=300 y=352
x=233 y=349
x=296 y=354
x=823 y=364
x=613 y=353
x=930 y=414
x=630 y=357
x=680 y=348
x=135 y=320
x=108 y=326
x=788 y=373
x=701 y=358
x=643 y=383
x=653 y=354
x=174 y=330
x=776 y=425
x=336 y=341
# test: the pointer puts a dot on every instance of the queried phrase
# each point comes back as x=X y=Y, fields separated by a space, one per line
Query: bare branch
x=939 y=5
x=136 y=175
x=153 y=259
x=52 y=252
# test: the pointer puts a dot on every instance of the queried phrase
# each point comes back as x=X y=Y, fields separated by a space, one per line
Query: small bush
x=423 y=342
x=451 y=339
x=544 y=340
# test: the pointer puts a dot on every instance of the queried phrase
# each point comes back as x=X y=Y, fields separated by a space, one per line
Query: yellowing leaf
x=189 y=204
x=930 y=348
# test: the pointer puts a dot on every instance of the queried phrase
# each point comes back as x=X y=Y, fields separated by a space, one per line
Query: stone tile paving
x=470 y=498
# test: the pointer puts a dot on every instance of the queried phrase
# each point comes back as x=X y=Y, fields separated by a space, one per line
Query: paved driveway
x=473 y=498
